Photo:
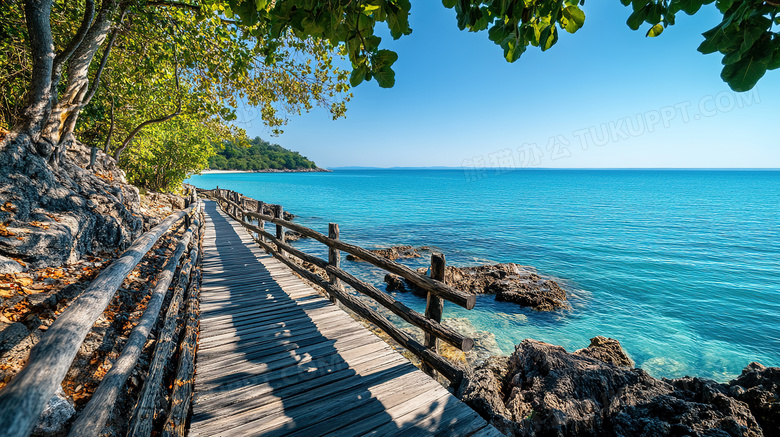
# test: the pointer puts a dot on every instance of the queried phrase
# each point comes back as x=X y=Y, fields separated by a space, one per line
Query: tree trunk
x=37 y=15
x=70 y=102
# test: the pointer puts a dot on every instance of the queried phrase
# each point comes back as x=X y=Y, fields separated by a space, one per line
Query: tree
x=256 y=154
x=164 y=155
x=745 y=36
x=219 y=62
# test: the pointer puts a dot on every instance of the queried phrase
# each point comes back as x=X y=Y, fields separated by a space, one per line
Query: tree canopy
x=111 y=70
x=256 y=154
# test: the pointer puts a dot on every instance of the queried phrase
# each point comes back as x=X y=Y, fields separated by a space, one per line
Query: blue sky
x=605 y=97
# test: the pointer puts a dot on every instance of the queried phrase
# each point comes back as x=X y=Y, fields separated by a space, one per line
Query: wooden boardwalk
x=275 y=358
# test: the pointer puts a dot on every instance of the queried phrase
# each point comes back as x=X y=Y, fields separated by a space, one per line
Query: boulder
x=55 y=416
x=293 y=236
x=508 y=282
x=394 y=252
x=759 y=387
x=53 y=215
x=545 y=390
x=395 y=283
x=607 y=350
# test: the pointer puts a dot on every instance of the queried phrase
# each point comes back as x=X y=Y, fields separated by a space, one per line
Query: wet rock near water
x=508 y=282
x=607 y=350
x=393 y=253
x=759 y=387
x=395 y=283
x=544 y=390
x=293 y=236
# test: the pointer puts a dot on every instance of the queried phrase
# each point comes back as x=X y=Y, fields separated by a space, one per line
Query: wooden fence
x=437 y=291
x=24 y=398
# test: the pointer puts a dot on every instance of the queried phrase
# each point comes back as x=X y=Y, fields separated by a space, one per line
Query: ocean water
x=683 y=267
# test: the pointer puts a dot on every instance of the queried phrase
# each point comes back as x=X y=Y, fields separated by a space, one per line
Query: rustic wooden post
x=434 y=307
x=334 y=258
x=279 y=213
x=92 y=158
x=243 y=208
x=260 y=222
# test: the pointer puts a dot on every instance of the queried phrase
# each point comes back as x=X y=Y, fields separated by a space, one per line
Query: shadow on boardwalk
x=265 y=368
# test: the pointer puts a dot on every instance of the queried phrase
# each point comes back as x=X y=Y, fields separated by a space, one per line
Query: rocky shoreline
x=271 y=170
x=543 y=390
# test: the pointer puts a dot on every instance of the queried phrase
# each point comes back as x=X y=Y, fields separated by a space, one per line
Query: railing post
x=279 y=213
x=434 y=307
x=334 y=258
x=243 y=208
x=260 y=222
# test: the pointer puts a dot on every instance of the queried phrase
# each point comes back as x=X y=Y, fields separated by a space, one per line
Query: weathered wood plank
x=23 y=399
x=93 y=418
x=144 y=411
x=280 y=363
x=183 y=385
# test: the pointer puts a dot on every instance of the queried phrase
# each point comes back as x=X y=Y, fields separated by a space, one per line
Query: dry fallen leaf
x=8 y=207
x=38 y=224
x=24 y=281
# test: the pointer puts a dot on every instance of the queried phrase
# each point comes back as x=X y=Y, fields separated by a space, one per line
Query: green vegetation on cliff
x=257 y=154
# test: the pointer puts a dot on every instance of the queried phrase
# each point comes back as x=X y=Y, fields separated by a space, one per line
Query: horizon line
x=511 y=169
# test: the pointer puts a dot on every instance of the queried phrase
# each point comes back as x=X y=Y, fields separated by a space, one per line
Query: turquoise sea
x=683 y=267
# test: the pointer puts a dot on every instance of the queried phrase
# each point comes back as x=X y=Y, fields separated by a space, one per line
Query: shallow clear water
x=683 y=267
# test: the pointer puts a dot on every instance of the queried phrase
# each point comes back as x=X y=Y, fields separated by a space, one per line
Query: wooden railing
x=26 y=395
x=235 y=205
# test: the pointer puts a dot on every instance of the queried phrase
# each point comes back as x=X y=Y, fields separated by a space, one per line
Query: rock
x=607 y=350
x=482 y=389
x=55 y=416
x=54 y=215
x=759 y=387
x=293 y=236
x=508 y=282
x=395 y=283
x=545 y=390
x=11 y=335
x=394 y=252
x=7 y=265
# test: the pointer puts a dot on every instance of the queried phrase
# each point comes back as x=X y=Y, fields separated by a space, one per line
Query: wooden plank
x=146 y=407
x=282 y=363
x=93 y=417
x=24 y=398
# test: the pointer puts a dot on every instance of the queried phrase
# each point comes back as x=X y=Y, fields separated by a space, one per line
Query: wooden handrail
x=466 y=300
x=437 y=290
x=93 y=418
x=432 y=327
x=428 y=356
x=24 y=398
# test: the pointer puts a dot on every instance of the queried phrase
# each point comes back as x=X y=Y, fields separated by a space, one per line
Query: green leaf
x=573 y=18
x=385 y=77
x=384 y=58
x=711 y=39
x=655 y=30
x=547 y=41
x=636 y=19
x=358 y=76
x=744 y=74
x=449 y=4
